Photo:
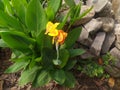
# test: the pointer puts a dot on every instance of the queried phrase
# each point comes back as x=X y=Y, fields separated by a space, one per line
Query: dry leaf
x=111 y=82
x=100 y=61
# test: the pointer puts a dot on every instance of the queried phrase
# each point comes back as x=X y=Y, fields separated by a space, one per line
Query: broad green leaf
x=59 y=76
x=1 y=5
x=71 y=38
x=70 y=80
x=44 y=41
x=70 y=64
x=17 y=66
x=47 y=55
x=64 y=56
x=20 y=8
x=17 y=40
x=8 y=21
x=8 y=7
x=54 y=5
x=42 y=78
x=28 y=76
x=70 y=3
x=76 y=52
x=50 y=13
x=35 y=17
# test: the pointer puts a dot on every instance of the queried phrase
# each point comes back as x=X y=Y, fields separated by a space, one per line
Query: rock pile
x=101 y=31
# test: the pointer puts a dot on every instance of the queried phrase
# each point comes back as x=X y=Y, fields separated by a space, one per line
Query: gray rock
x=109 y=39
x=93 y=25
x=116 y=8
x=108 y=23
x=97 y=43
x=113 y=71
x=98 y=4
x=87 y=55
x=83 y=35
x=116 y=54
x=117 y=29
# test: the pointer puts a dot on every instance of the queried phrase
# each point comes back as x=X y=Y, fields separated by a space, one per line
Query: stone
x=117 y=29
x=98 y=4
x=97 y=43
x=109 y=39
x=83 y=35
x=116 y=54
x=93 y=25
x=117 y=42
x=113 y=71
x=116 y=8
x=108 y=23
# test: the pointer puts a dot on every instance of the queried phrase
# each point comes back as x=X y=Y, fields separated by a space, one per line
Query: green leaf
x=59 y=76
x=35 y=17
x=8 y=7
x=71 y=38
x=76 y=52
x=44 y=41
x=20 y=8
x=70 y=3
x=70 y=80
x=1 y=5
x=17 y=40
x=54 y=5
x=70 y=64
x=2 y=43
x=84 y=13
x=8 y=21
x=64 y=56
x=42 y=78
x=17 y=66
x=28 y=76
x=47 y=55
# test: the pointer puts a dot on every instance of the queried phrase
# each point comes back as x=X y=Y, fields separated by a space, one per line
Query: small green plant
x=41 y=49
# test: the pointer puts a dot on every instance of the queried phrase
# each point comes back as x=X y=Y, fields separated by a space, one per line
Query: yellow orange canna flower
x=51 y=29
x=60 y=38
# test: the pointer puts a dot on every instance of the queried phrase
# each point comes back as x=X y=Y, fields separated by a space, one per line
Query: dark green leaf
x=76 y=52
x=71 y=38
x=35 y=17
x=70 y=80
x=20 y=8
x=42 y=78
x=44 y=41
x=54 y=5
x=17 y=66
x=70 y=3
x=59 y=76
x=84 y=13
x=48 y=55
x=64 y=56
x=28 y=76
x=8 y=7
x=1 y=5
x=70 y=64
x=17 y=40
x=8 y=21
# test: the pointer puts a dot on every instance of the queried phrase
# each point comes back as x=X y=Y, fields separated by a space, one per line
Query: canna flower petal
x=61 y=36
x=51 y=29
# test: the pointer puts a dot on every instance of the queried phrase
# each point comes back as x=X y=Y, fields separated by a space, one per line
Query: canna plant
x=41 y=49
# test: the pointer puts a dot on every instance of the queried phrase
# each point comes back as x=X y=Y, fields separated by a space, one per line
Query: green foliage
x=23 y=26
